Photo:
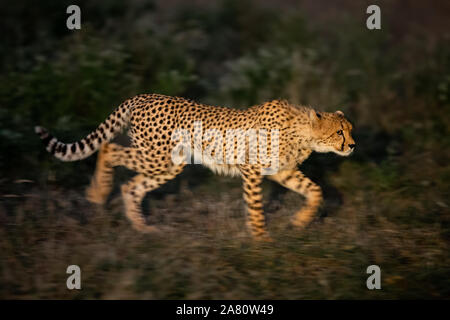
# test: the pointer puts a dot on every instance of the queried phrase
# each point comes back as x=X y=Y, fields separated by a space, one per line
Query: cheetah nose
x=352 y=146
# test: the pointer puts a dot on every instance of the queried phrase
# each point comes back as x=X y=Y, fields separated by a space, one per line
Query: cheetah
x=153 y=120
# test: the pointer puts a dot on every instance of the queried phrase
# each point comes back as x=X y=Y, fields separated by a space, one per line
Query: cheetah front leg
x=296 y=181
x=252 y=180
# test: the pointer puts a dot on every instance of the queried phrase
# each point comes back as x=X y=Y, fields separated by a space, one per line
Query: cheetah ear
x=314 y=115
x=339 y=113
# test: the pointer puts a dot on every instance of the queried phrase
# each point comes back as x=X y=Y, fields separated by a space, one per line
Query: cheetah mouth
x=344 y=153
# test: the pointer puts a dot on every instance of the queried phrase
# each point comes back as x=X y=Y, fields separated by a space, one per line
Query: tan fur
x=154 y=118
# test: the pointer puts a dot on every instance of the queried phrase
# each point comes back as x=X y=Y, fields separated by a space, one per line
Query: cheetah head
x=331 y=132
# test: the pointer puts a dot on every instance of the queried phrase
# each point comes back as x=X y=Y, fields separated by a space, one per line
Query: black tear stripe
x=343 y=136
x=64 y=149
x=53 y=149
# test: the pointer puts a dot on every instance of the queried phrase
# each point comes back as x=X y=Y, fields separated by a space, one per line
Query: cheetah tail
x=82 y=149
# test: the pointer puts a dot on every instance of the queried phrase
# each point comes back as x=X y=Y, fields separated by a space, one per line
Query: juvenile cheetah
x=155 y=120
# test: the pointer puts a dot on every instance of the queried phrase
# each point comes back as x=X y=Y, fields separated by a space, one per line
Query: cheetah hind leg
x=102 y=181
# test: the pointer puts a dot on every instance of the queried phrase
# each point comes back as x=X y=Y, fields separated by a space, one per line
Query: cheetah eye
x=339 y=132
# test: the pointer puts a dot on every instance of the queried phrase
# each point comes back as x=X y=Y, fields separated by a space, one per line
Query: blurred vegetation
x=386 y=205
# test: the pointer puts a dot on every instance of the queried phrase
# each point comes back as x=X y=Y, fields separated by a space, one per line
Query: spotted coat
x=153 y=122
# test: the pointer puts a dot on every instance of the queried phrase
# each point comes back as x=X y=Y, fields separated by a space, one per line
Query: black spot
x=81 y=145
x=52 y=151
x=73 y=148
x=255 y=206
x=47 y=140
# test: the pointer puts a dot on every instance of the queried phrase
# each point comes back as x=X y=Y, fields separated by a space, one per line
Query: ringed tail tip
x=40 y=131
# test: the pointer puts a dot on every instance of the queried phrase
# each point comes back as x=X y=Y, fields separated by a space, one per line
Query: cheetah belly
x=222 y=169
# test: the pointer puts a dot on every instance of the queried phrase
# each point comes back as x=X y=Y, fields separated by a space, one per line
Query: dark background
x=387 y=204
